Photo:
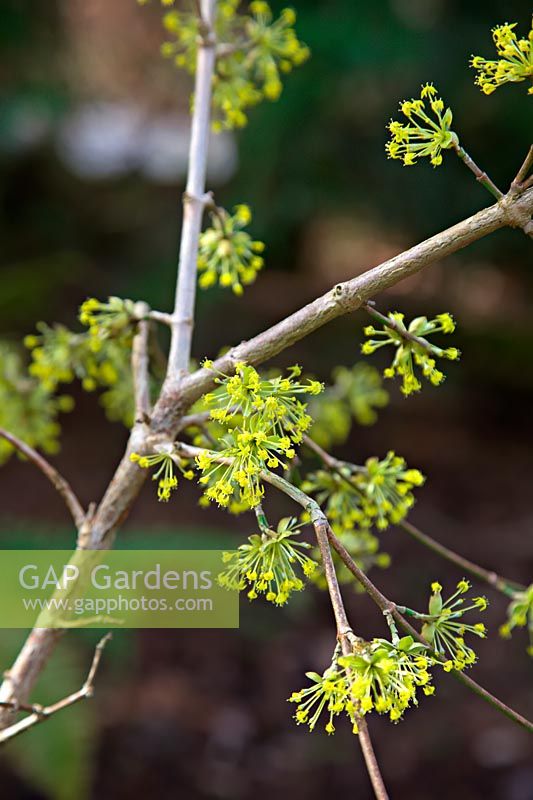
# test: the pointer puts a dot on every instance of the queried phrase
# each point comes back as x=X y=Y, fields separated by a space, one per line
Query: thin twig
x=481 y=176
x=161 y=316
x=55 y=478
x=519 y=183
x=194 y=199
x=345 y=633
x=329 y=460
x=140 y=367
x=404 y=333
x=507 y=587
x=41 y=713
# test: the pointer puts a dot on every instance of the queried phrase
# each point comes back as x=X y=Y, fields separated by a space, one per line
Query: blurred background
x=93 y=145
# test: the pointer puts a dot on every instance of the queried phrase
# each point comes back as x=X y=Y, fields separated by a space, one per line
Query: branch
x=342 y=299
x=194 y=198
x=507 y=587
x=55 y=478
x=345 y=634
x=140 y=366
x=388 y=607
x=161 y=316
x=41 y=713
x=194 y=420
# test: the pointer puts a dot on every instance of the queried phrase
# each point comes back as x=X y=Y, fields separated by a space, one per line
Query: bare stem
x=405 y=334
x=39 y=714
x=140 y=367
x=520 y=183
x=507 y=587
x=55 y=478
x=162 y=317
x=194 y=199
x=262 y=520
x=481 y=176
x=344 y=631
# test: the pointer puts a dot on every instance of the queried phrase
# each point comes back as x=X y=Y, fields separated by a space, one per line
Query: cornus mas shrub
x=238 y=431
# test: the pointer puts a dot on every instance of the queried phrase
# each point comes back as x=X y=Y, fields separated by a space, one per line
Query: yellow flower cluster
x=227 y=254
x=379 y=676
x=514 y=63
x=107 y=320
x=412 y=348
x=246 y=452
x=263 y=420
x=444 y=629
x=165 y=476
x=328 y=692
x=27 y=409
x=355 y=393
x=253 y=73
x=246 y=393
x=427 y=132
x=254 y=51
x=60 y=356
x=377 y=494
x=266 y=564
x=520 y=614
